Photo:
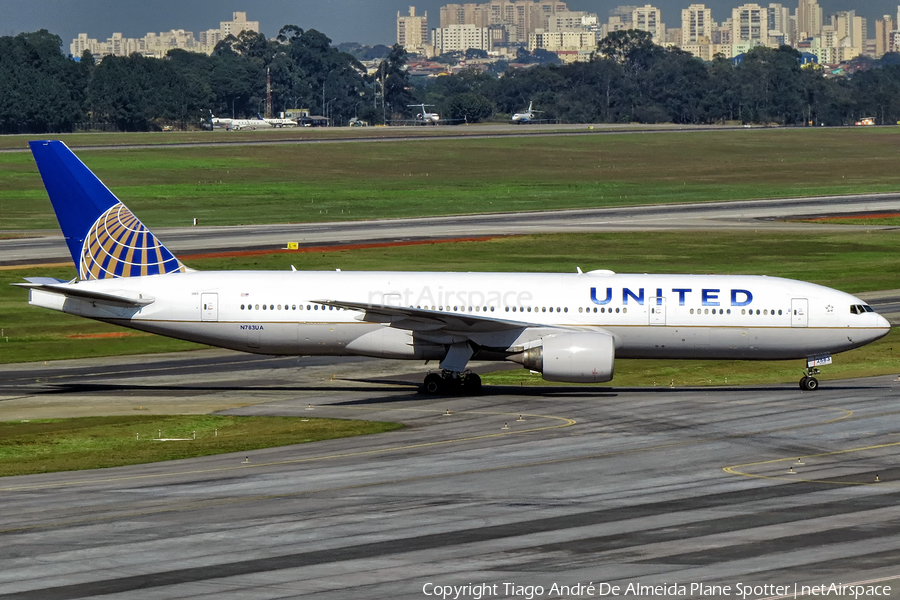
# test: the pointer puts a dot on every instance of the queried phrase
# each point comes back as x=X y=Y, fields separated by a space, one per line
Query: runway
x=49 y=247
x=592 y=485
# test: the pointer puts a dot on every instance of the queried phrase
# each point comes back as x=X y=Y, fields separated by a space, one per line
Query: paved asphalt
x=594 y=484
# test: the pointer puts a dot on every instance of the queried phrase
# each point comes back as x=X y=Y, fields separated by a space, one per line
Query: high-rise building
x=412 y=31
x=237 y=24
x=749 y=26
x=649 y=18
x=809 y=18
x=519 y=17
x=696 y=24
x=779 y=25
x=852 y=30
x=883 y=28
x=463 y=14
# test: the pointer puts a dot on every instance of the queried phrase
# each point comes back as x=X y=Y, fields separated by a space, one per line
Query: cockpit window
x=858 y=309
x=868 y=308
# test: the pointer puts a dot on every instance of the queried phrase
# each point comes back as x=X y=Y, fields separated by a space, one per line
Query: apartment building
x=459 y=38
x=519 y=18
x=696 y=25
x=158 y=44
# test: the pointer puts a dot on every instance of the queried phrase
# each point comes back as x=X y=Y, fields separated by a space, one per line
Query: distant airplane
x=278 y=122
x=570 y=327
x=425 y=117
x=238 y=124
x=527 y=116
x=220 y=121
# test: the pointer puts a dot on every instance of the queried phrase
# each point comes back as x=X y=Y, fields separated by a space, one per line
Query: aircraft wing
x=423 y=320
x=63 y=289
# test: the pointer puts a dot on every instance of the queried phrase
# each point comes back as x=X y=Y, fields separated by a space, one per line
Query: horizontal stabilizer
x=45 y=280
x=72 y=291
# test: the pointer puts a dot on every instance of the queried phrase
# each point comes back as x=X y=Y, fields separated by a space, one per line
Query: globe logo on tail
x=119 y=245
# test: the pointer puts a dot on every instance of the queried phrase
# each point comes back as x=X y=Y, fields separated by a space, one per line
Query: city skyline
x=364 y=21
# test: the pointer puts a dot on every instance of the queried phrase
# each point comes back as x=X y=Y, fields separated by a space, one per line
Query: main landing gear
x=809 y=382
x=451 y=382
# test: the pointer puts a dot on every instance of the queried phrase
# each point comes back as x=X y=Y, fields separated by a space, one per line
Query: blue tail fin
x=104 y=238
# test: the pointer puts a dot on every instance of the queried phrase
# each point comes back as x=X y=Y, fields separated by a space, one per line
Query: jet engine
x=572 y=357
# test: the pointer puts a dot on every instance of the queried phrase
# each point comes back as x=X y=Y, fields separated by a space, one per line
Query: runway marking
x=566 y=423
x=732 y=470
x=843 y=585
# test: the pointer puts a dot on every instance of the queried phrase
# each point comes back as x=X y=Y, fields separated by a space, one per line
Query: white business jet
x=527 y=116
x=425 y=117
x=570 y=327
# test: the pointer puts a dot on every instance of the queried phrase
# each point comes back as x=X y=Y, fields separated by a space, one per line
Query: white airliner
x=570 y=327
x=278 y=122
x=238 y=124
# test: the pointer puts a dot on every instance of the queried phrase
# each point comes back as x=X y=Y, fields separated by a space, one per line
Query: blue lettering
x=639 y=297
x=659 y=298
x=747 y=300
x=606 y=300
x=681 y=292
x=710 y=297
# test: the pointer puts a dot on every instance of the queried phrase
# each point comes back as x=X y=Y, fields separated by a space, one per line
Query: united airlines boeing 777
x=570 y=327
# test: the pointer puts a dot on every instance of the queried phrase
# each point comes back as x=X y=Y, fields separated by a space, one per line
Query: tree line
x=628 y=79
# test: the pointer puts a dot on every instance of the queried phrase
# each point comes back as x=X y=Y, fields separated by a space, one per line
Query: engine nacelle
x=573 y=357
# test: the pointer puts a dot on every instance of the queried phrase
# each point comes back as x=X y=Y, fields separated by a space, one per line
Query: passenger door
x=657 y=311
x=209 y=307
x=799 y=312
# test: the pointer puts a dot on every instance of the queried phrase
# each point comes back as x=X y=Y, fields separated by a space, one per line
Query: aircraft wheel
x=472 y=384
x=803 y=383
x=810 y=383
x=433 y=384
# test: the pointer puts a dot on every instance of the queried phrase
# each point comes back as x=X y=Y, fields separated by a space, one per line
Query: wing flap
x=419 y=319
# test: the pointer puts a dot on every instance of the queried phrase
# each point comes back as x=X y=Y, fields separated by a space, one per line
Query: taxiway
x=49 y=247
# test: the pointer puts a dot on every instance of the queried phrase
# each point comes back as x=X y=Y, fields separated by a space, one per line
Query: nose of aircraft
x=880 y=328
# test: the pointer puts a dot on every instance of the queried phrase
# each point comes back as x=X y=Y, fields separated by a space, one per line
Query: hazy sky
x=365 y=21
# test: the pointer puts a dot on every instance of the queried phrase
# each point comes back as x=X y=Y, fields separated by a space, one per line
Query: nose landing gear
x=809 y=382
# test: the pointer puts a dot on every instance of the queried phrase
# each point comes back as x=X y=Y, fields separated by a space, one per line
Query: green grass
x=48 y=445
x=231 y=185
